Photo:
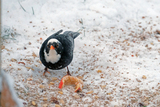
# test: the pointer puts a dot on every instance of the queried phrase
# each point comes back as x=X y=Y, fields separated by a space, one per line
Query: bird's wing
x=59 y=32
x=72 y=34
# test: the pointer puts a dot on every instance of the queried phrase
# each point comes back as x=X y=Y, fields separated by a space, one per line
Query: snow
x=117 y=37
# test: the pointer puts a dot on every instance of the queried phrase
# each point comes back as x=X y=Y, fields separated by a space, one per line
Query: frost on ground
x=117 y=54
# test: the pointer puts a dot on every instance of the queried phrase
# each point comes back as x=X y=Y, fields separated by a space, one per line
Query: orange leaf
x=21 y=63
x=70 y=80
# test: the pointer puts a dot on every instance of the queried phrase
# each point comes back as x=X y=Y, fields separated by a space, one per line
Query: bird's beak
x=51 y=48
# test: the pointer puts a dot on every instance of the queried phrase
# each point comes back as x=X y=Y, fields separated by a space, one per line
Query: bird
x=56 y=51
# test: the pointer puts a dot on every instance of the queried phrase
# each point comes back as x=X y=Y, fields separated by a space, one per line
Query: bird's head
x=54 y=45
x=53 y=50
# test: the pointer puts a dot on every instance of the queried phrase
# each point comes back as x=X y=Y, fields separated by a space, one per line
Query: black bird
x=56 y=51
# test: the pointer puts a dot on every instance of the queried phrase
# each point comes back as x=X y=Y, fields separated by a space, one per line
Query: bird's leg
x=46 y=70
x=68 y=73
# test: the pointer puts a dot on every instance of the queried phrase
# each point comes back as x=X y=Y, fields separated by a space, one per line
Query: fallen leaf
x=29 y=79
x=103 y=86
x=80 y=77
x=41 y=86
x=54 y=100
x=54 y=78
x=90 y=92
x=13 y=60
x=138 y=80
x=96 y=97
x=76 y=96
x=99 y=71
x=143 y=17
x=45 y=99
x=30 y=68
x=21 y=63
x=62 y=101
x=70 y=80
x=144 y=77
x=34 y=55
x=152 y=43
x=158 y=31
x=7 y=49
x=51 y=83
x=29 y=43
x=2 y=47
x=108 y=93
x=60 y=92
x=57 y=105
x=33 y=103
x=45 y=105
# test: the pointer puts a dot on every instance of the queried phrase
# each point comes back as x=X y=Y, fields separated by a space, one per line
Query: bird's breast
x=52 y=56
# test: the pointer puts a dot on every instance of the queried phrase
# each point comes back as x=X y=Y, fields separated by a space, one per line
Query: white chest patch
x=52 y=56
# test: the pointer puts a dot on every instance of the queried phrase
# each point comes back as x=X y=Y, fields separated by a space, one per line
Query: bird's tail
x=73 y=34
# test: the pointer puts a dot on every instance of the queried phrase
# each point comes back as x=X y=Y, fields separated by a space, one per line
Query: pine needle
x=33 y=10
x=21 y=6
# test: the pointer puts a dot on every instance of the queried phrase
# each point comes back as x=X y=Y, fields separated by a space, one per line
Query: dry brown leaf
x=80 y=77
x=144 y=77
x=39 y=61
x=13 y=60
x=51 y=83
x=30 y=68
x=90 y=92
x=21 y=63
x=152 y=43
x=33 y=103
x=7 y=49
x=57 y=105
x=29 y=79
x=138 y=80
x=54 y=100
x=3 y=47
x=80 y=22
x=62 y=101
x=45 y=99
x=99 y=71
x=19 y=68
x=108 y=93
x=45 y=105
x=103 y=86
x=29 y=43
x=34 y=55
x=54 y=78
x=76 y=96
x=96 y=97
x=60 y=92
x=41 y=86
x=158 y=31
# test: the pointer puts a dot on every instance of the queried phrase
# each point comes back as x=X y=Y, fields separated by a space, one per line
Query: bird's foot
x=46 y=70
x=68 y=73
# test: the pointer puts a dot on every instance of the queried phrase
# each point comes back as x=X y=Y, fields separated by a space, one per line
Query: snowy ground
x=119 y=39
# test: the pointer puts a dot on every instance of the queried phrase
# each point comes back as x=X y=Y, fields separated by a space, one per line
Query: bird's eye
x=57 y=46
x=48 y=46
